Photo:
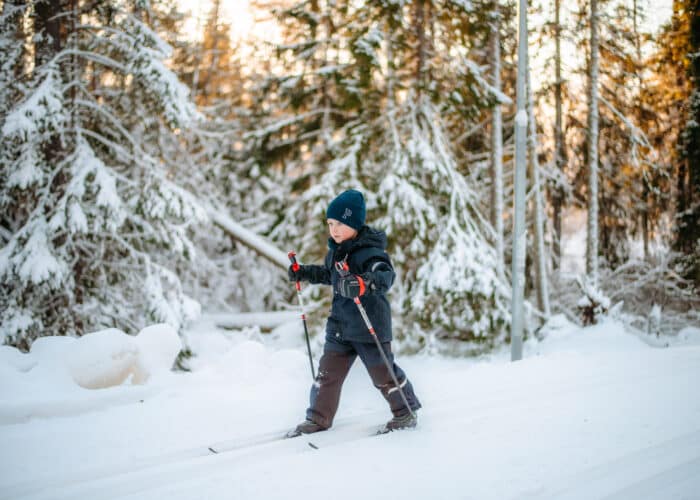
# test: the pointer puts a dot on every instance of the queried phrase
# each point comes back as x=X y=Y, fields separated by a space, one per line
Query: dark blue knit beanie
x=349 y=208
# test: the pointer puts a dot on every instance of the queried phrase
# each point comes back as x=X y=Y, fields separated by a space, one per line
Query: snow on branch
x=593 y=304
x=476 y=72
x=250 y=239
x=638 y=136
x=42 y=110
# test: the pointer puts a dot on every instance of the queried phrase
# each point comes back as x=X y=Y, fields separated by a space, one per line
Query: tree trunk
x=519 y=232
x=540 y=249
x=559 y=147
x=640 y=112
x=12 y=13
x=48 y=24
x=326 y=132
x=592 y=237
x=497 y=148
x=420 y=27
x=213 y=25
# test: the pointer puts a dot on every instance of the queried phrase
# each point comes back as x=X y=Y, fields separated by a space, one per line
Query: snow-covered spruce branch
x=123 y=155
x=459 y=186
x=638 y=136
x=280 y=124
x=476 y=71
x=627 y=280
x=5 y=235
x=104 y=111
x=479 y=127
x=90 y=56
x=45 y=200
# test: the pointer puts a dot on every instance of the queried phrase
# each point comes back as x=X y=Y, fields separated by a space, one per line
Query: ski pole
x=295 y=268
x=344 y=270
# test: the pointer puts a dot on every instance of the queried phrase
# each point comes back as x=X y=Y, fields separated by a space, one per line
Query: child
x=370 y=276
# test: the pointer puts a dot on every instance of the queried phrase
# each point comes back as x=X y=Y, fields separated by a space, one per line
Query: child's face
x=339 y=231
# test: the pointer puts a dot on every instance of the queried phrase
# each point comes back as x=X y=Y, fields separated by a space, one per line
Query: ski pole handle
x=293 y=259
x=295 y=267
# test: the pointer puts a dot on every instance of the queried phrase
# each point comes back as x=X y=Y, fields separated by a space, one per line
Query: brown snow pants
x=338 y=357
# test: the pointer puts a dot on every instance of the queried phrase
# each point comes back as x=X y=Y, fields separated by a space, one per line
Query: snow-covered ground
x=589 y=413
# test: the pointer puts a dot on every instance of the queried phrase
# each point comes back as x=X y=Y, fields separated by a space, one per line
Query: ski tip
x=213 y=450
x=313 y=445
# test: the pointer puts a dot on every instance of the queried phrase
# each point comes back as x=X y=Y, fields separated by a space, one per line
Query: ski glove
x=351 y=286
x=301 y=274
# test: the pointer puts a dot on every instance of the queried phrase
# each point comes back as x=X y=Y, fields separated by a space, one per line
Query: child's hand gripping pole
x=295 y=268
x=344 y=269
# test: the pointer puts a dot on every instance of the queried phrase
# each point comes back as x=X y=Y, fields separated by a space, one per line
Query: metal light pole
x=519 y=233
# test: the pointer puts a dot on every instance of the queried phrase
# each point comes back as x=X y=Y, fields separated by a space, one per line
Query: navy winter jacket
x=366 y=256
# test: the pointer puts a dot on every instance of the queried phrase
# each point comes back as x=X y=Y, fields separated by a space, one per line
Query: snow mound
x=14 y=359
x=110 y=357
x=58 y=376
x=689 y=335
x=97 y=360
x=158 y=347
x=104 y=359
x=564 y=337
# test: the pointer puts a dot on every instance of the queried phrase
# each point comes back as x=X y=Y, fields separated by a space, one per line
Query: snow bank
x=247 y=359
x=12 y=358
x=562 y=337
x=104 y=359
x=158 y=347
x=110 y=357
x=689 y=335
x=59 y=374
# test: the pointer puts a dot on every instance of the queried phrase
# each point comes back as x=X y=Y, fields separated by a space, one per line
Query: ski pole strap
x=342 y=267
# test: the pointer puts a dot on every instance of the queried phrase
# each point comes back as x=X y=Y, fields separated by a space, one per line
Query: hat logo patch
x=348 y=213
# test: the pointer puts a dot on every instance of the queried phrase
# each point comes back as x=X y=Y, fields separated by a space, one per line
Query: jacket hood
x=366 y=237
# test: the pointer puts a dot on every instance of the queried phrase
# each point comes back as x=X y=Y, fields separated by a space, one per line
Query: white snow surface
x=588 y=414
x=56 y=376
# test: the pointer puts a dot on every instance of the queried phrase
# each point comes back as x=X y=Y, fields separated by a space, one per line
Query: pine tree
x=629 y=179
x=628 y=161
x=592 y=131
x=100 y=230
x=688 y=225
x=663 y=100
x=452 y=287
x=403 y=103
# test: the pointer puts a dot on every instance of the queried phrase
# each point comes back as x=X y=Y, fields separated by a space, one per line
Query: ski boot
x=306 y=427
x=407 y=421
